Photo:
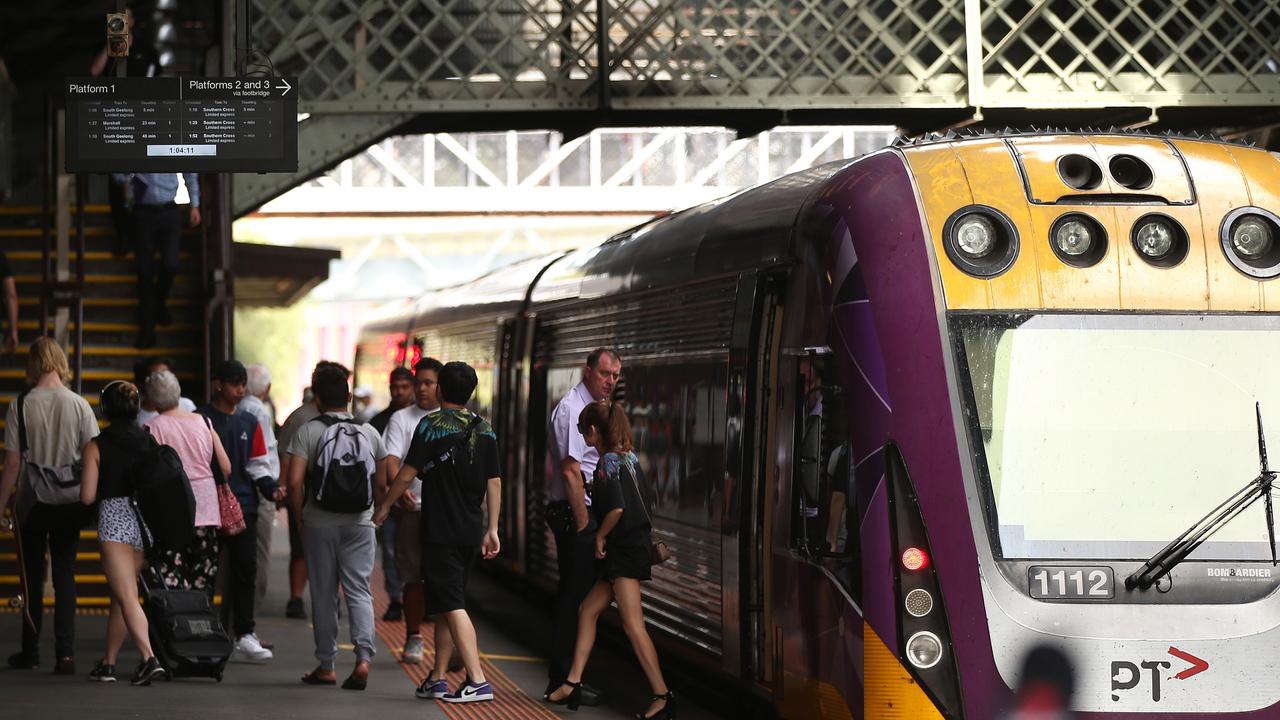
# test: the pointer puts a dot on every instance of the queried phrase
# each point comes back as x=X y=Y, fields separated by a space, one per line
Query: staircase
x=107 y=352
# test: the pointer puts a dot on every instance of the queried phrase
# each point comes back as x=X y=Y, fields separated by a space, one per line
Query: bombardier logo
x=1221 y=572
x=1126 y=675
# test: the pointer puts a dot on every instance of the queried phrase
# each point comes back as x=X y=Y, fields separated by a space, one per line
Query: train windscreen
x=1106 y=436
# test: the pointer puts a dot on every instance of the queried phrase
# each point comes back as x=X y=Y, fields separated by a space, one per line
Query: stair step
x=37 y=210
x=109 y=327
x=109 y=301
x=99 y=279
x=80 y=580
x=35 y=232
x=80 y=557
x=89 y=256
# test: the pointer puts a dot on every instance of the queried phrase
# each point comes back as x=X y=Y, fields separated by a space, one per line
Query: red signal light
x=914 y=559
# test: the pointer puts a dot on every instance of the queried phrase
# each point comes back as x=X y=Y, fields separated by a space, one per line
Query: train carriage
x=910 y=416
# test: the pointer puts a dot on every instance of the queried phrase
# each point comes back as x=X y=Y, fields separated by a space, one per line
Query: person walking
x=401 y=385
x=250 y=474
x=568 y=510
x=405 y=516
x=46 y=430
x=455 y=454
x=107 y=480
x=10 y=286
x=622 y=545
x=308 y=411
x=155 y=225
x=195 y=567
x=257 y=393
x=343 y=458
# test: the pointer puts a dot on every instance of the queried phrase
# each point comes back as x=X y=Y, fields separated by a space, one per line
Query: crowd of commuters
x=422 y=478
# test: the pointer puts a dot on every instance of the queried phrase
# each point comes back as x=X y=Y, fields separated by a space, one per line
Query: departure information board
x=182 y=124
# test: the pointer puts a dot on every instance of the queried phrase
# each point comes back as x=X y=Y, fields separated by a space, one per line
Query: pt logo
x=1126 y=675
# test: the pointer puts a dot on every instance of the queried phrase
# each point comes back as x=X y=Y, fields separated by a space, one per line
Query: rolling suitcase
x=186 y=635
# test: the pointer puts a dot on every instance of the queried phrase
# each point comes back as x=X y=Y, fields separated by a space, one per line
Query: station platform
x=514 y=662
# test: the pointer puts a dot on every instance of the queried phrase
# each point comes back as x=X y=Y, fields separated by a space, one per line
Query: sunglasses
x=583 y=428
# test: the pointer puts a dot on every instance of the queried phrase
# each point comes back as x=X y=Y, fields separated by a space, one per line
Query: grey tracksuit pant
x=341 y=554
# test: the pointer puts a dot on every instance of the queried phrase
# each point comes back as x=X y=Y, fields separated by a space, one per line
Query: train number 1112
x=1071 y=583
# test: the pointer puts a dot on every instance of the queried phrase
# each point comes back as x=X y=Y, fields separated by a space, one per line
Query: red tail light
x=914 y=559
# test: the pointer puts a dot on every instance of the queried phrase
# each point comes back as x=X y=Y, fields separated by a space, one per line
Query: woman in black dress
x=622 y=546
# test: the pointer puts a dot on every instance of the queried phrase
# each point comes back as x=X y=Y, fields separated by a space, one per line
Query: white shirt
x=399 y=434
x=567 y=442
x=183 y=404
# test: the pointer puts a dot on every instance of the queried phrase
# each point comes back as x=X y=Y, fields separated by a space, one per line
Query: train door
x=749 y=449
x=511 y=391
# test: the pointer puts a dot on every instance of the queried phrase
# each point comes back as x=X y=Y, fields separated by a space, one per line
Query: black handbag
x=658 y=551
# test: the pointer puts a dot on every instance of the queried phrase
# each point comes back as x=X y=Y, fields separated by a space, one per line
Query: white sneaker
x=248 y=650
x=413 y=650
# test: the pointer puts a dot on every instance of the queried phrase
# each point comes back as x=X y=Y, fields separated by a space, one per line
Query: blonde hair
x=47 y=356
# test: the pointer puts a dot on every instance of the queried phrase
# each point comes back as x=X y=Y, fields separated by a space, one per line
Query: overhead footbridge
x=376 y=68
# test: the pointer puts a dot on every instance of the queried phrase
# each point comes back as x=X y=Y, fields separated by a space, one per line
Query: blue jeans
x=387 y=543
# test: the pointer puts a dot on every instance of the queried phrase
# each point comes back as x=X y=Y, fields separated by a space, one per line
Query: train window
x=678 y=418
x=814 y=444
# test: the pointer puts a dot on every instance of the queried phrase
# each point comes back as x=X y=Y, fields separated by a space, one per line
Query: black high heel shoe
x=572 y=700
x=668 y=711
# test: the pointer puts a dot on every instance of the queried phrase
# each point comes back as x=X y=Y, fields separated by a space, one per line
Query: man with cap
x=246 y=447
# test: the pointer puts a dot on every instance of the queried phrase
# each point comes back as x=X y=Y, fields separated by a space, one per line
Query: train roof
x=751 y=228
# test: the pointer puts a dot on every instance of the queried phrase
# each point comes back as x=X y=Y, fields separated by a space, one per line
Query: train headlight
x=1160 y=240
x=1073 y=238
x=1251 y=237
x=980 y=240
x=1078 y=240
x=975 y=235
x=924 y=650
x=1154 y=239
x=1249 y=240
x=918 y=603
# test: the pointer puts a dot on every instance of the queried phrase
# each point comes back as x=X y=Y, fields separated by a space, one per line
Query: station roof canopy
x=276 y=276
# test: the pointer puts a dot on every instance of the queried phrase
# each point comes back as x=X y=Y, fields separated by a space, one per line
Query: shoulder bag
x=50 y=485
x=658 y=551
x=230 y=514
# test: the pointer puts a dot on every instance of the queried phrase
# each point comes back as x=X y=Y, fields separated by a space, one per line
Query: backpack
x=163 y=496
x=50 y=485
x=342 y=476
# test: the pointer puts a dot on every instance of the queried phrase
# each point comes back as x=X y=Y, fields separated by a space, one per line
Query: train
x=913 y=415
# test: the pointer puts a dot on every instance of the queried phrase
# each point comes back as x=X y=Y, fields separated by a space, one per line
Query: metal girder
x=323 y=141
x=541 y=55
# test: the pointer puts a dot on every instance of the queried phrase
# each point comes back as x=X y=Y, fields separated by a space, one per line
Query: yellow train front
x=1076 y=371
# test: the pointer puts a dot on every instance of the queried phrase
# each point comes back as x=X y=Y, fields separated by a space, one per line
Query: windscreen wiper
x=1175 y=552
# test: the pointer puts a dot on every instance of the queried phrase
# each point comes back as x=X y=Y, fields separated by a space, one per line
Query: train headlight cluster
x=924 y=649
x=980 y=240
x=1248 y=237
x=1078 y=240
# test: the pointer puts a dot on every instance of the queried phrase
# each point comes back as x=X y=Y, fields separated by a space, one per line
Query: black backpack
x=342 y=475
x=163 y=494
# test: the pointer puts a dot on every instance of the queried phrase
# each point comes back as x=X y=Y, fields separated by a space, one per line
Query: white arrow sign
x=286 y=87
